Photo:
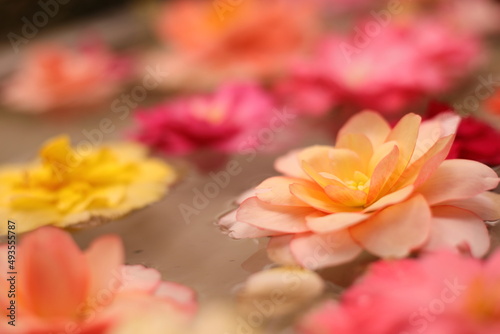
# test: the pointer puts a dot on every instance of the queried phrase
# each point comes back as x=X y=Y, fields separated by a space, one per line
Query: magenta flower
x=225 y=121
x=443 y=293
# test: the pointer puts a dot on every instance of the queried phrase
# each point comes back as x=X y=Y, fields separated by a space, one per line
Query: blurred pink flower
x=61 y=289
x=442 y=293
x=382 y=190
x=396 y=69
x=220 y=40
x=54 y=77
x=225 y=121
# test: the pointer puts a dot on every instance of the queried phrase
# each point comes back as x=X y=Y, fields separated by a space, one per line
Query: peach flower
x=387 y=191
x=218 y=40
x=442 y=293
x=54 y=77
x=60 y=289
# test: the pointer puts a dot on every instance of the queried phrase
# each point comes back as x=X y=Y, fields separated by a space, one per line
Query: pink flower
x=61 y=289
x=396 y=69
x=220 y=41
x=475 y=139
x=386 y=191
x=54 y=77
x=225 y=121
x=442 y=293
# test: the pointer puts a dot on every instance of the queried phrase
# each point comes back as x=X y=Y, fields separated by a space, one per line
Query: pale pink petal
x=368 y=123
x=238 y=230
x=456 y=228
x=390 y=199
x=278 y=250
x=290 y=165
x=317 y=157
x=314 y=251
x=272 y=217
x=458 y=179
x=276 y=191
x=182 y=297
x=335 y=221
x=485 y=205
x=138 y=278
x=342 y=163
x=53 y=269
x=105 y=257
x=396 y=230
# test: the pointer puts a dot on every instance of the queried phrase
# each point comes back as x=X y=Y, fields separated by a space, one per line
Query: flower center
x=359 y=182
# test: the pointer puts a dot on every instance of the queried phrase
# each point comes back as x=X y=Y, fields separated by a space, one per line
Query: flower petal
x=384 y=169
x=53 y=269
x=290 y=165
x=453 y=228
x=358 y=143
x=485 y=205
x=390 y=199
x=368 y=123
x=314 y=251
x=272 y=217
x=238 y=230
x=458 y=179
x=105 y=257
x=276 y=191
x=396 y=230
x=346 y=196
x=318 y=199
x=335 y=221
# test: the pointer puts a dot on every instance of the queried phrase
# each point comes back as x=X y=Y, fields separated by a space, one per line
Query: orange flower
x=60 y=289
x=387 y=191
x=253 y=39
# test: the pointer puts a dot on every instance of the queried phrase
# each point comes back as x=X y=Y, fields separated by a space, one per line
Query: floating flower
x=60 y=289
x=54 y=77
x=441 y=293
x=387 y=191
x=221 y=40
x=357 y=72
x=87 y=185
x=475 y=139
x=225 y=121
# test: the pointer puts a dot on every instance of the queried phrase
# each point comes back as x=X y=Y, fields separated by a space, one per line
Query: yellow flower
x=66 y=187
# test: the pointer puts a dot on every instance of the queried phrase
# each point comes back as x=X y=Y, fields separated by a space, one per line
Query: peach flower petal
x=239 y=230
x=181 y=296
x=53 y=269
x=315 y=251
x=138 y=278
x=272 y=217
x=457 y=228
x=317 y=199
x=335 y=221
x=368 y=123
x=346 y=196
x=485 y=205
x=385 y=167
x=344 y=163
x=458 y=179
x=104 y=257
x=290 y=165
x=390 y=199
x=277 y=191
x=358 y=143
x=396 y=230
